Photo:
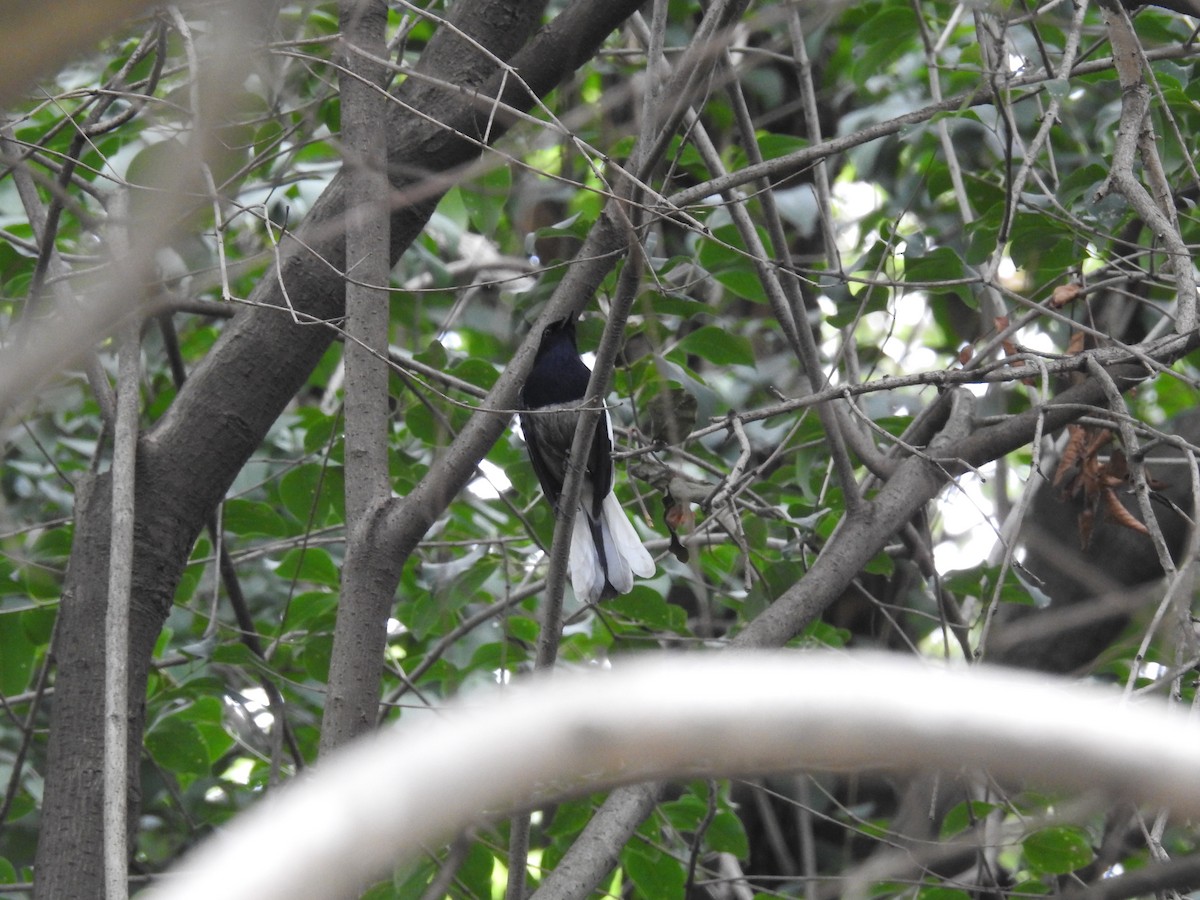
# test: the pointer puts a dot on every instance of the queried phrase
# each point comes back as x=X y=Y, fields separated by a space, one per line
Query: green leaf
x=826 y=635
x=177 y=745
x=423 y=424
x=485 y=199
x=497 y=655
x=880 y=564
x=1059 y=850
x=317 y=650
x=301 y=492
x=207 y=715
x=773 y=146
x=39 y=624
x=16 y=655
x=454 y=208
x=571 y=817
x=724 y=257
x=980 y=581
x=434 y=355
x=942 y=893
x=409 y=880
x=313 y=564
x=386 y=890
x=726 y=834
x=311 y=611
x=964 y=815
x=318 y=429
x=647 y=607
x=655 y=873
x=718 y=346
x=39 y=583
x=1043 y=246
x=54 y=543
x=941 y=264
x=476 y=371
x=881 y=40
x=475 y=874
x=864 y=300
x=153 y=164
x=235 y=655
x=268 y=135
x=252 y=517
x=523 y=628
x=421 y=615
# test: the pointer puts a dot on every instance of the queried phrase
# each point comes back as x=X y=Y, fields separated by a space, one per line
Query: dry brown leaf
x=1100 y=437
x=1119 y=514
x=1086 y=519
x=1091 y=474
x=1000 y=323
x=1095 y=480
x=680 y=517
x=1077 y=344
x=1118 y=467
x=1072 y=453
x=1064 y=294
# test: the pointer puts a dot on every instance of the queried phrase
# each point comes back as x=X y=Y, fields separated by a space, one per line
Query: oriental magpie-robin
x=605 y=550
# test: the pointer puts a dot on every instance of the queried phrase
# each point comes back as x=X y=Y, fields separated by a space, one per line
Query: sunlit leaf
x=1058 y=850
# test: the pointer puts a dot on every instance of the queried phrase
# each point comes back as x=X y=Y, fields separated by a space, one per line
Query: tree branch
x=364 y=106
x=395 y=529
x=412 y=787
x=1135 y=107
x=116 y=622
x=262 y=358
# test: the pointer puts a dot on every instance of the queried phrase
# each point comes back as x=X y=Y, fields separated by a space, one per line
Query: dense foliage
x=929 y=180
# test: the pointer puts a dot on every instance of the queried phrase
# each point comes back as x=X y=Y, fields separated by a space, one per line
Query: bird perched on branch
x=605 y=550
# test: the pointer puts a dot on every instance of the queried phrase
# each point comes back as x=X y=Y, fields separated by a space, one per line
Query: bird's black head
x=558 y=374
x=557 y=334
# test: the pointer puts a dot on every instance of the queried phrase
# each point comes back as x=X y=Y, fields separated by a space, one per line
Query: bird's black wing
x=549 y=477
x=600 y=462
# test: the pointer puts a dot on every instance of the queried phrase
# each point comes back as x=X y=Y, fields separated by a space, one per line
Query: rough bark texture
x=365 y=407
x=375 y=559
x=264 y=356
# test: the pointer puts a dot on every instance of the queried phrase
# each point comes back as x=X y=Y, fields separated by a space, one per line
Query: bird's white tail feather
x=587 y=575
x=618 y=531
x=623 y=552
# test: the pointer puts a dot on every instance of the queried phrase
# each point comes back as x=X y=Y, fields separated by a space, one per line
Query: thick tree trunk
x=264 y=356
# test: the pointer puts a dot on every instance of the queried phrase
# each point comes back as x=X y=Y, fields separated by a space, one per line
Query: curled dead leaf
x=1064 y=294
x=1118 y=466
x=1099 y=437
x=680 y=518
x=1119 y=514
x=1072 y=453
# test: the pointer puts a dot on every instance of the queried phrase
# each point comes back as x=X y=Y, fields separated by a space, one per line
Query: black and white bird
x=605 y=550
